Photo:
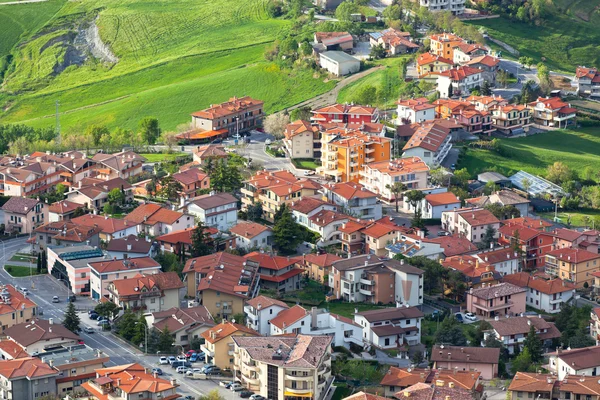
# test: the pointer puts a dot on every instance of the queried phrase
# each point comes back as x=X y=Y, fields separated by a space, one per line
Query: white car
x=182 y=369
x=268 y=141
x=181 y=358
x=191 y=372
x=236 y=387
x=308 y=173
x=163 y=361
x=471 y=316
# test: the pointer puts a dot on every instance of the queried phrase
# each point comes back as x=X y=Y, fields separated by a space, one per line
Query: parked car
x=236 y=387
x=197 y=357
x=244 y=394
x=181 y=358
x=94 y=316
x=308 y=173
x=459 y=317
x=443 y=233
x=182 y=369
x=207 y=367
x=268 y=141
x=158 y=371
x=257 y=397
x=72 y=298
x=190 y=353
x=24 y=290
x=225 y=384
x=101 y=321
x=193 y=371
x=471 y=316
x=453 y=167
x=55 y=299
x=172 y=359
x=188 y=397
x=163 y=361
x=212 y=371
x=89 y=329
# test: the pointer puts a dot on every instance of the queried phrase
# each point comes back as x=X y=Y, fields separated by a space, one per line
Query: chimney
x=128 y=247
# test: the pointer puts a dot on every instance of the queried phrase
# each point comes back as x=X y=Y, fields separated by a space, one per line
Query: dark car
x=72 y=298
x=244 y=394
x=157 y=370
x=459 y=317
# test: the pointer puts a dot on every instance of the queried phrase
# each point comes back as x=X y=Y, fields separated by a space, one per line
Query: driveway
x=451 y=158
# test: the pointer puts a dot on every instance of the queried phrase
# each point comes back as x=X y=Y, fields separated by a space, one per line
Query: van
x=197 y=375
x=176 y=364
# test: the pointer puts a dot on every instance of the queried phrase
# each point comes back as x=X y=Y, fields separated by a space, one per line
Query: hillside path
x=10 y=3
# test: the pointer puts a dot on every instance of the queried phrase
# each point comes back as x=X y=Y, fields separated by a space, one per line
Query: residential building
x=471 y=223
x=391 y=328
x=428 y=63
x=379 y=234
x=547 y=295
x=453 y=245
x=487 y=64
x=93 y=192
x=459 y=81
x=433 y=204
x=504 y=260
x=503 y=299
x=511 y=118
x=281 y=368
x=393 y=41
x=23 y=215
x=70 y=265
x=512 y=331
x=588 y=81
x=15 y=308
x=439 y=390
x=302 y=140
x=430 y=143
x=237 y=115
x=327 y=41
x=504 y=198
x=40 y=335
x=461 y=358
x=124 y=165
x=465 y=52
x=222 y=282
x=487 y=103
x=27 y=378
x=76 y=364
x=594 y=325
x=583 y=361
x=352 y=238
x=307 y=207
x=185 y=324
x=345 y=113
x=414 y=111
x=155 y=220
x=573 y=265
x=298 y=320
x=251 y=235
x=146 y=292
x=63 y=234
x=534 y=243
x=476 y=274
x=570 y=238
x=110 y=228
x=553 y=112
x=129 y=382
x=10 y=350
x=397 y=379
x=339 y=63
x=317 y=266
x=180 y=242
x=193 y=181
x=131 y=246
x=413 y=245
x=379 y=177
x=260 y=311
x=276 y=272
x=219 y=345
x=354 y=199
x=63 y=210
x=532 y=385
x=215 y=209
x=103 y=273
x=372 y=279
x=456 y=7
x=443 y=44
x=28 y=178
x=364 y=396
x=209 y=151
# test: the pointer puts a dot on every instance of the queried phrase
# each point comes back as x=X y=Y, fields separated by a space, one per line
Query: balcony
x=353 y=164
x=252 y=367
x=208 y=352
x=369 y=159
x=498 y=306
x=557 y=301
x=298 y=377
x=366 y=292
x=291 y=392
x=369 y=150
x=250 y=381
x=367 y=282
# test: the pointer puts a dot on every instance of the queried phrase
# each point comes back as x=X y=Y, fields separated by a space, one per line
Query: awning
x=309 y=394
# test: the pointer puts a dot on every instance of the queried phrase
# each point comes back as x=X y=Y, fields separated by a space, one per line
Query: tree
x=396 y=189
x=127 y=326
x=116 y=197
x=139 y=335
x=533 y=345
x=169 y=139
x=581 y=340
x=345 y=10
x=543 y=74
x=433 y=272
x=560 y=173
x=417 y=358
x=392 y=12
x=461 y=177
x=486 y=89
x=200 y=241
x=488 y=237
x=526 y=184
x=60 y=190
x=366 y=95
x=450 y=333
x=170 y=188
x=107 y=309
x=414 y=198
x=287 y=234
x=377 y=52
x=255 y=211
x=39 y=263
x=275 y=124
x=165 y=341
x=522 y=363
x=97 y=132
x=212 y=395
x=225 y=178
x=282 y=209
x=239 y=318
x=71 y=321
x=493 y=342
x=502 y=77
x=302 y=113
x=149 y=130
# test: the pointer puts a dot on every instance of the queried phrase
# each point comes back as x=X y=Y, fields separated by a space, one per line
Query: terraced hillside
x=115 y=61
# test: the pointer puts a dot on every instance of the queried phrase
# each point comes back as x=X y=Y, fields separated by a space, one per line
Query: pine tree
x=165 y=341
x=200 y=241
x=127 y=326
x=533 y=344
x=71 y=321
x=287 y=233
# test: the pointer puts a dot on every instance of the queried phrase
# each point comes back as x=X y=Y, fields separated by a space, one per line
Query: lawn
x=23 y=258
x=160 y=157
x=312 y=294
x=306 y=163
x=581 y=218
x=576 y=148
x=17 y=271
x=565 y=40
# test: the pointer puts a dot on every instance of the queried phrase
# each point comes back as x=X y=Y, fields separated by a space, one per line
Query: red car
x=189 y=353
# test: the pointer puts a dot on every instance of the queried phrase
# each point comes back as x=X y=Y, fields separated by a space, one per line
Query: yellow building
x=574 y=265
x=430 y=63
x=443 y=44
x=16 y=310
x=344 y=152
x=218 y=343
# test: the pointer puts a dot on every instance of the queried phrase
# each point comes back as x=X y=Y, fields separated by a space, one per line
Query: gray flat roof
x=339 y=56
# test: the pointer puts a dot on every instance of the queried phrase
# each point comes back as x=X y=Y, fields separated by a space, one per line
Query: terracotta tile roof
x=485 y=355
x=13 y=350
x=175 y=237
x=586 y=72
x=297 y=127
x=421 y=103
x=499 y=290
x=326 y=217
x=583 y=358
x=428 y=58
x=308 y=204
x=151 y=214
x=573 y=255
x=567 y=234
x=301 y=351
x=18 y=301
x=440 y=199
x=498 y=256
x=268 y=261
x=77 y=233
x=364 y=396
x=248 y=229
x=64 y=207
x=134 y=286
x=262 y=302
x=128 y=264
x=468 y=265
x=546 y=286
x=346 y=109
x=405 y=377
x=28 y=333
x=30 y=367
x=520 y=325
x=19 y=205
x=287 y=317
x=177 y=319
x=453 y=245
x=131 y=379
x=399 y=166
x=460 y=73
x=190 y=176
x=322 y=260
x=105 y=223
x=280 y=278
x=468 y=48
x=224 y=330
x=486 y=60
x=579 y=385
x=429 y=136
x=131 y=243
x=525 y=233
x=394 y=37
x=423 y=391
x=386 y=314
x=349 y=190
x=326 y=37
x=211 y=150
x=532 y=382
x=233 y=106
x=552 y=103
x=353 y=226
x=446 y=37
x=478 y=217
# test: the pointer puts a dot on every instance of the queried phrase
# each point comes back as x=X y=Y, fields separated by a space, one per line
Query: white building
x=584 y=362
x=470 y=223
x=354 y=199
x=317 y=322
x=504 y=198
x=215 y=209
x=459 y=81
x=435 y=202
x=512 y=331
x=430 y=142
x=454 y=6
x=260 y=311
x=185 y=324
x=379 y=177
x=131 y=246
x=506 y=261
x=414 y=110
x=250 y=235
x=155 y=220
x=339 y=63
x=547 y=295
x=102 y=273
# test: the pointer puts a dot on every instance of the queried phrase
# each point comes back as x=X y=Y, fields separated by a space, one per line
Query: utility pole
x=57 y=119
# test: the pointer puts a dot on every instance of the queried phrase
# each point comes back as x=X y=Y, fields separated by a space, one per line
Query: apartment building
x=503 y=299
x=476 y=274
x=379 y=177
x=466 y=359
x=40 y=335
x=63 y=210
x=443 y=44
x=345 y=113
x=512 y=331
x=131 y=246
x=391 y=328
x=533 y=242
x=459 y=81
x=379 y=234
x=146 y=292
x=110 y=228
x=222 y=282
x=547 y=295
x=397 y=379
x=219 y=346
x=352 y=238
x=26 y=178
x=193 y=181
x=372 y=279
x=317 y=266
x=103 y=273
x=129 y=382
x=64 y=234
x=434 y=203
x=281 y=368
x=546 y=386
x=26 y=378
x=487 y=64
x=302 y=140
x=412 y=111
x=124 y=165
x=185 y=324
x=505 y=260
x=92 y=193
x=431 y=64
x=588 y=81
x=354 y=199
x=456 y=7
x=15 y=308
x=23 y=215
x=260 y=311
x=306 y=207
x=487 y=103
x=155 y=220
x=471 y=223
x=218 y=210
x=466 y=52
x=414 y=245
x=237 y=115
x=70 y=265
x=573 y=265
x=430 y=143
x=276 y=272
x=251 y=235
x=553 y=112
x=582 y=362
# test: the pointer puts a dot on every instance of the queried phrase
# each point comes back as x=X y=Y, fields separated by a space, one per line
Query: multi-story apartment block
x=26 y=378
x=595 y=324
x=534 y=242
x=260 y=311
x=552 y=111
x=544 y=294
x=15 y=307
x=430 y=143
x=391 y=328
x=379 y=177
x=23 y=215
x=588 y=81
x=23 y=180
x=443 y=44
x=546 y=386
x=510 y=118
x=476 y=274
x=219 y=345
x=456 y=7
x=302 y=140
x=354 y=199
x=464 y=359
x=146 y=292
x=471 y=223
x=92 y=193
x=345 y=113
x=215 y=209
x=505 y=260
x=582 y=361
x=573 y=265
x=414 y=110
x=236 y=116
x=497 y=300
x=513 y=331
x=103 y=273
x=431 y=64
x=282 y=368
x=459 y=81
x=124 y=165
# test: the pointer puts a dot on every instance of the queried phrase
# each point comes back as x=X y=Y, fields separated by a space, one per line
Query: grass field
x=159 y=157
x=577 y=149
x=577 y=218
x=306 y=164
x=23 y=258
x=17 y=271
x=564 y=40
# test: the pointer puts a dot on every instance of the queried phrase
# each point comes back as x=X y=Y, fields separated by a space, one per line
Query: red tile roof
x=486 y=60
x=322 y=260
x=30 y=367
x=468 y=265
x=478 y=217
x=429 y=136
x=268 y=261
x=573 y=255
x=248 y=229
x=108 y=266
x=287 y=317
x=326 y=217
x=350 y=190
x=134 y=286
x=106 y=224
x=64 y=207
x=453 y=245
x=233 y=106
x=224 y=330
x=546 y=286
x=428 y=58
x=18 y=301
x=297 y=127
x=261 y=302
x=175 y=237
x=151 y=214
x=280 y=278
x=131 y=379
x=440 y=199
x=460 y=73
x=12 y=349
x=308 y=204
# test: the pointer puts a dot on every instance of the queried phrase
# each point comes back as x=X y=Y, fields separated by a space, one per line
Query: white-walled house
x=470 y=223
x=435 y=202
x=584 y=362
x=547 y=295
x=215 y=209
x=251 y=235
x=379 y=176
x=513 y=331
x=506 y=260
x=354 y=199
x=260 y=311
x=412 y=111
x=155 y=220
x=298 y=320
x=459 y=81
x=431 y=142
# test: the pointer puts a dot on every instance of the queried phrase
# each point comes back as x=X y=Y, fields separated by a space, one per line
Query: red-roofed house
x=506 y=260
x=379 y=234
x=110 y=228
x=428 y=63
x=180 y=242
x=192 y=180
x=453 y=245
x=251 y=235
x=62 y=210
x=276 y=272
x=26 y=378
x=393 y=41
x=588 y=81
x=465 y=52
x=317 y=266
x=218 y=342
x=470 y=223
x=552 y=111
x=544 y=294
x=102 y=273
x=185 y=324
x=412 y=111
x=534 y=243
x=430 y=142
x=236 y=115
x=459 y=81
x=15 y=307
x=155 y=220
x=434 y=203
x=345 y=113
x=302 y=140
x=146 y=292
x=476 y=274
x=573 y=265
x=488 y=65
x=260 y=311
x=354 y=199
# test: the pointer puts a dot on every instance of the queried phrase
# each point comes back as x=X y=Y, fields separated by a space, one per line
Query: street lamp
x=145 y=336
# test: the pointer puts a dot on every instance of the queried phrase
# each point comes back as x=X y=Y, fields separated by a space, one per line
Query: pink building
x=498 y=300
x=457 y=358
